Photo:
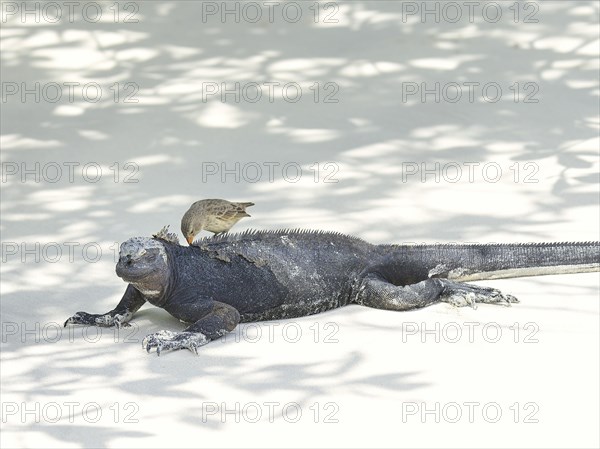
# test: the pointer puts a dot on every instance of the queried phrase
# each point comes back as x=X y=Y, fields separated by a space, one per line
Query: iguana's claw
x=121 y=321
x=471 y=300
x=167 y=341
x=81 y=318
x=106 y=320
x=470 y=295
x=497 y=297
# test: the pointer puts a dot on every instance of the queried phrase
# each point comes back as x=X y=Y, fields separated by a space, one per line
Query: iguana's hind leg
x=377 y=292
x=216 y=320
x=460 y=295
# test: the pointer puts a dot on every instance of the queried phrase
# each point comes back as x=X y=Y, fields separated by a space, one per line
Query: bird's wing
x=231 y=211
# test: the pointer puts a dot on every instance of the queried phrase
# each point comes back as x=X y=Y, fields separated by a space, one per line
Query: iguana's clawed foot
x=167 y=341
x=469 y=295
x=106 y=320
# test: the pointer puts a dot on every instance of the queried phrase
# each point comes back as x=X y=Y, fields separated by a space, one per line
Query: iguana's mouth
x=130 y=270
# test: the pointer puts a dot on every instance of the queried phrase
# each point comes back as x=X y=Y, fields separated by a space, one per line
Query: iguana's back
x=275 y=274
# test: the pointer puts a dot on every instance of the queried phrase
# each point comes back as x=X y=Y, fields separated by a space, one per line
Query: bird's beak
x=189 y=240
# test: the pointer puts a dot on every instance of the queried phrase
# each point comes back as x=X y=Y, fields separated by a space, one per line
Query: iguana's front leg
x=219 y=318
x=130 y=303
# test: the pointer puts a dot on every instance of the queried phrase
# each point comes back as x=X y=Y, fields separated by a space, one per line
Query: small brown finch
x=212 y=215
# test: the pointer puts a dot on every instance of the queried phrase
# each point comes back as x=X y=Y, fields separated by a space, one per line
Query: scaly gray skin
x=271 y=275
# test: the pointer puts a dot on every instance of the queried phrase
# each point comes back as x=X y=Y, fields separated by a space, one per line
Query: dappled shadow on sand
x=369 y=133
x=170 y=132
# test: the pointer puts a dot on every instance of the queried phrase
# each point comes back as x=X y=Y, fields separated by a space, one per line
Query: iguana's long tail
x=498 y=261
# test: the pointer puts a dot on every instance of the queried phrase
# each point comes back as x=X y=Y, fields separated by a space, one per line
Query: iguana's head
x=143 y=263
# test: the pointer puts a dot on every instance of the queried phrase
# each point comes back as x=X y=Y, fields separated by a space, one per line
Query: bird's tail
x=243 y=206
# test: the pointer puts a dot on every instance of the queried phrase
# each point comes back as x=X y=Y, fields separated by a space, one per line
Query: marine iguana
x=270 y=275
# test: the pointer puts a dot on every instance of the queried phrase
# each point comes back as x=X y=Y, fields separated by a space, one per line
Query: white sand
x=371 y=372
